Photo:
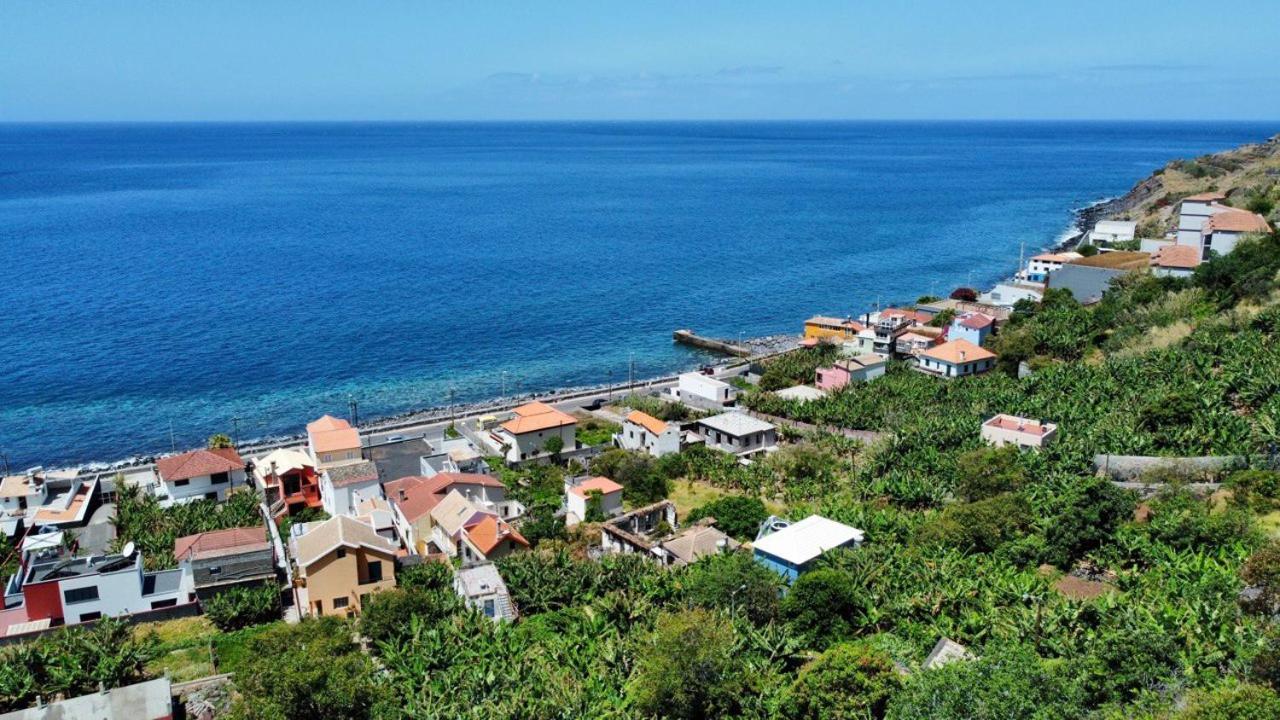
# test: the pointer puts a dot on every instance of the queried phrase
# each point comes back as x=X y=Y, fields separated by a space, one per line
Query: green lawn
x=594 y=431
x=688 y=495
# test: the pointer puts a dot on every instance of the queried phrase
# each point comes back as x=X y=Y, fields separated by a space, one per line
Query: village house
x=823 y=327
x=222 y=559
x=461 y=529
x=1007 y=294
x=1002 y=429
x=342 y=487
x=199 y=474
x=412 y=499
x=482 y=587
x=341 y=562
x=960 y=307
x=703 y=391
x=1193 y=212
x=22 y=493
x=974 y=327
x=1222 y=232
x=696 y=542
x=332 y=441
x=1040 y=266
x=917 y=340
x=646 y=433
x=863 y=368
x=956 y=358
x=82 y=589
x=525 y=435
x=288 y=480
x=1110 y=232
x=1174 y=260
x=578 y=498
x=890 y=325
x=452 y=455
x=738 y=433
x=790 y=550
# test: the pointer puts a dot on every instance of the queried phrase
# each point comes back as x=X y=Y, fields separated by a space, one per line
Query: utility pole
x=353 y=406
x=235 y=430
x=5 y=458
x=608 y=385
x=631 y=372
x=452 y=392
x=173 y=442
x=504 y=383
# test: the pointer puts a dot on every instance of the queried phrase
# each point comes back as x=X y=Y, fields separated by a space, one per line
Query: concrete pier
x=689 y=337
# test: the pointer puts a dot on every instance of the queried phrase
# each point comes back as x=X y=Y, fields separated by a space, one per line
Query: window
x=181 y=483
x=218 y=478
x=342 y=552
x=319 y=607
x=215 y=570
x=489 y=609
x=90 y=616
x=211 y=496
x=79 y=595
x=171 y=602
x=375 y=571
x=339 y=603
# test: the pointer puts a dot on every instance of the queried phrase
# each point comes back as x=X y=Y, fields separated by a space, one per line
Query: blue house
x=974 y=327
x=791 y=550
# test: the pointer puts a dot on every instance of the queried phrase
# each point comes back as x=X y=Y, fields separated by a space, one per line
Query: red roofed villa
x=525 y=435
x=1003 y=429
x=956 y=358
x=578 y=497
x=199 y=474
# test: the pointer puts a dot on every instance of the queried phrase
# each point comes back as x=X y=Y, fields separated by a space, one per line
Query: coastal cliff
x=1249 y=175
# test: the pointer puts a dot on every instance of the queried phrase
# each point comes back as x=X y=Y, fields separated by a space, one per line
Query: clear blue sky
x=419 y=59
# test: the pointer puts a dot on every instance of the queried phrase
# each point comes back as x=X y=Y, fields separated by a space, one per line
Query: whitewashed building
x=525 y=435
x=645 y=433
x=1113 y=231
x=343 y=487
x=199 y=474
x=956 y=358
x=704 y=391
x=578 y=494
x=482 y=587
x=738 y=433
x=1002 y=429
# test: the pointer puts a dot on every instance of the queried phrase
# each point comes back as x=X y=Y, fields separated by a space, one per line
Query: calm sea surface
x=189 y=274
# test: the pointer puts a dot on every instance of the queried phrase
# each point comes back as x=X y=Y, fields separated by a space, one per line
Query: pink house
x=863 y=368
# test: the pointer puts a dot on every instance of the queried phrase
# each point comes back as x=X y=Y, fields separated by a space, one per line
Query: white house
x=482 y=587
x=88 y=588
x=1223 y=231
x=704 y=391
x=646 y=433
x=342 y=487
x=738 y=433
x=525 y=435
x=199 y=474
x=1113 y=231
x=956 y=358
x=972 y=326
x=1007 y=294
x=1040 y=266
x=577 y=498
x=1002 y=429
x=22 y=493
x=1193 y=212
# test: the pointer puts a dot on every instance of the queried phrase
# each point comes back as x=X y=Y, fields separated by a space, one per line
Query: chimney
x=961 y=356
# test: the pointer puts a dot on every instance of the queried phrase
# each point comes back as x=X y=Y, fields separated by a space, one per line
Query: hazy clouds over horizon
x=235 y=59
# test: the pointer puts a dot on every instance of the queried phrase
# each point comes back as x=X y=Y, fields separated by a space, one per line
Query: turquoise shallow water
x=189 y=274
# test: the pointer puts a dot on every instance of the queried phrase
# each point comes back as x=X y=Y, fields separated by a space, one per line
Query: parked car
x=595 y=404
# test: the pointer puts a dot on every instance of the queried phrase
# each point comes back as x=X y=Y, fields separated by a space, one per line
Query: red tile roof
x=416 y=495
x=535 y=416
x=197 y=463
x=221 y=542
x=1236 y=221
x=958 y=351
x=490 y=531
x=1176 y=256
x=976 y=321
x=647 y=421
x=602 y=484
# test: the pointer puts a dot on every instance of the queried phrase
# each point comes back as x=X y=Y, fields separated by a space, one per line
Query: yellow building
x=341 y=561
x=820 y=327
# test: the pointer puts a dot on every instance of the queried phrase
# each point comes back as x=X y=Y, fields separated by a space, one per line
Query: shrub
x=689 y=669
x=824 y=607
x=980 y=526
x=964 y=294
x=1239 y=702
x=734 y=582
x=735 y=515
x=239 y=607
x=387 y=614
x=426 y=576
x=849 y=681
x=989 y=471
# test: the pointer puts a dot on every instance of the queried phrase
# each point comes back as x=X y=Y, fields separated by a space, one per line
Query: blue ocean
x=179 y=276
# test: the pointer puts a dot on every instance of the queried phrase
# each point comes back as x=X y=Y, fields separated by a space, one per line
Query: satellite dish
x=128 y=549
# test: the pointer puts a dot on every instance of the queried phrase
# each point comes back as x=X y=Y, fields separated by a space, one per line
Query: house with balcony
x=462 y=530
x=341 y=562
x=205 y=474
x=645 y=433
x=412 y=499
x=342 y=487
x=889 y=326
x=219 y=560
x=1002 y=429
x=824 y=327
x=332 y=441
x=525 y=435
x=289 y=481
x=955 y=358
x=1193 y=212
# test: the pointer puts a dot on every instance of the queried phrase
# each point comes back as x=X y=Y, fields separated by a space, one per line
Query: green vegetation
x=593 y=431
x=661 y=409
x=140 y=520
x=72 y=661
x=735 y=515
x=240 y=607
x=220 y=441
x=797 y=367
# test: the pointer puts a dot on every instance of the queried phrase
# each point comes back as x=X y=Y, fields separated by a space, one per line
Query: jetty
x=689 y=337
